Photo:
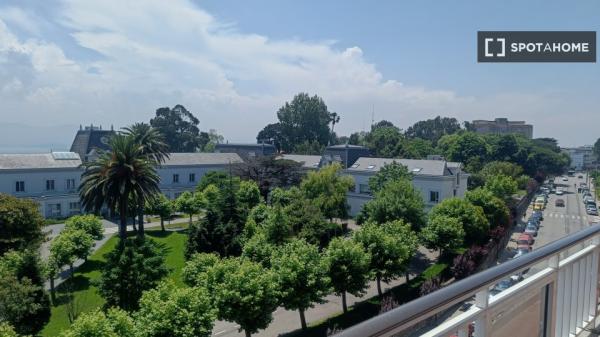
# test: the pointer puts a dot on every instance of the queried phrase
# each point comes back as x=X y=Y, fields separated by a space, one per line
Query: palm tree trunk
x=141 y=217
x=379 y=285
x=162 y=223
x=123 y=224
x=248 y=334
x=52 y=292
x=71 y=270
x=344 y=305
x=133 y=223
x=190 y=219
x=302 y=319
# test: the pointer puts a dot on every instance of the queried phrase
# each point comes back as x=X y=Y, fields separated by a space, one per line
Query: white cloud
x=155 y=53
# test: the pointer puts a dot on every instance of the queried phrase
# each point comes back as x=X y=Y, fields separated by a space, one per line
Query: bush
x=134 y=266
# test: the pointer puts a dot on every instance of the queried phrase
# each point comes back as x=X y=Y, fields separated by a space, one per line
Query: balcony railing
x=554 y=294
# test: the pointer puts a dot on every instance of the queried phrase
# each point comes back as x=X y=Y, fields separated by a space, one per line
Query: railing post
x=482 y=299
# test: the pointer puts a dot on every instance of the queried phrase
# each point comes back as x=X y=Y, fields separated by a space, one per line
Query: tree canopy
x=443 y=233
x=433 y=129
x=328 y=188
x=471 y=217
x=304 y=119
x=179 y=128
x=20 y=223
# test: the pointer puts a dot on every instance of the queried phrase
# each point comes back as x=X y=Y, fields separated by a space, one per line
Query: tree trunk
x=344 y=305
x=133 y=223
x=52 y=292
x=123 y=224
x=407 y=274
x=190 y=220
x=71 y=270
x=379 y=285
x=248 y=334
x=162 y=223
x=302 y=319
x=141 y=217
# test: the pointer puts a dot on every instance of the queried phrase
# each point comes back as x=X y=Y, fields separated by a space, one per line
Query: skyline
x=65 y=63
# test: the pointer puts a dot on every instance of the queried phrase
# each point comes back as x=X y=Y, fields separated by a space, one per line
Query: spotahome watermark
x=528 y=46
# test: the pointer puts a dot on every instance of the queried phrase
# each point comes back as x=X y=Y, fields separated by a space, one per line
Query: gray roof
x=246 y=145
x=346 y=146
x=39 y=161
x=415 y=166
x=308 y=161
x=202 y=158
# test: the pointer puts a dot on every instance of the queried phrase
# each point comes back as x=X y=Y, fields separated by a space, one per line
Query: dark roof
x=90 y=138
x=39 y=161
x=249 y=145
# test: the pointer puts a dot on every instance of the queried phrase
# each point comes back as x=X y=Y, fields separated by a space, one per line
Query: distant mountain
x=23 y=138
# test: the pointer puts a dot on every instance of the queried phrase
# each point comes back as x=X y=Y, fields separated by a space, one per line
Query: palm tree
x=115 y=176
x=153 y=146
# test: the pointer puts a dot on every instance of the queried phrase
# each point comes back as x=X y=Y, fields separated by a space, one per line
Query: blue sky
x=233 y=63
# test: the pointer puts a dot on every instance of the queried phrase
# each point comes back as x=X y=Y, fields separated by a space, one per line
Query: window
x=176 y=178
x=457 y=178
x=364 y=189
x=434 y=196
x=192 y=177
x=70 y=184
x=20 y=186
x=370 y=167
x=74 y=206
x=251 y=154
x=50 y=185
x=454 y=192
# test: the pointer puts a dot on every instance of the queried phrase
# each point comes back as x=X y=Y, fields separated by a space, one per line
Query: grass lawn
x=85 y=293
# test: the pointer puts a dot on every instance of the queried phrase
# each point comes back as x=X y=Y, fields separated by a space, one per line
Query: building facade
x=501 y=126
x=436 y=180
x=344 y=154
x=582 y=158
x=52 y=179
x=89 y=140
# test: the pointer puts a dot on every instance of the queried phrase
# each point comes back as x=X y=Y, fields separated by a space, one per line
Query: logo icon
x=502 y=42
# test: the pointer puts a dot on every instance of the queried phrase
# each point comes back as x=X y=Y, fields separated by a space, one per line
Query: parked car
x=559 y=203
x=531 y=229
x=565 y=179
x=524 y=239
x=580 y=176
x=559 y=191
x=538 y=214
x=592 y=211
x=522 y=251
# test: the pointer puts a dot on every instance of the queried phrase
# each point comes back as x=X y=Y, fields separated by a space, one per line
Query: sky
x=66 y=63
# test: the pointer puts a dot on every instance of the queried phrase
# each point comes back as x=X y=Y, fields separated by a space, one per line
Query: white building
x=52 y=179
x=582 y=158
x=435 y=179
x=182 y=171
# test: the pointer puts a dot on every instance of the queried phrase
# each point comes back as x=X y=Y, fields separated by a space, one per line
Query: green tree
x=163 y=207
x=258 y=249
x=309 y=148
x=466 y=147
x=70 y=245
x=197 y=266
x=495 y=210
x=443 y=233
x=248 y=195
x=433 y=129
x=301 y=275
x=328 y=188
x=187 y=204
x=415 y=148
x=20 y=224
x=6 y=330
x=501 y=186
x=384 y=140
x=113 y=323
x=348 y=267
x=474 y=222
x=398 y=200
x=153 y=146
x=23 y=302
x=178 y=312
x=179 y=128
x=303 y=119
x=244 y=292
x=391 y=245
x=270 y=172
x=89 y=223
x=501 y=168
x=389 y=172
x=116 y=177
x=217 y=178
x=131 y=268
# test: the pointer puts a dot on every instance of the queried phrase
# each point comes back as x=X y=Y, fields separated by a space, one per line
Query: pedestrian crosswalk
x=567 y=216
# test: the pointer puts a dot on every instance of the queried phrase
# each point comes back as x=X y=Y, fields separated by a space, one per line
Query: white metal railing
x=558 y=297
